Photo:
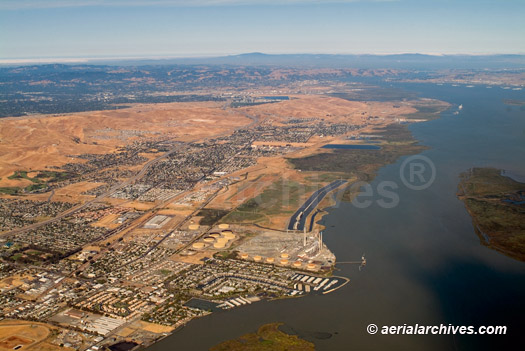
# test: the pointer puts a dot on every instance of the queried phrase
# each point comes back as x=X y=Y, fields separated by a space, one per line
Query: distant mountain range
x=395 y=61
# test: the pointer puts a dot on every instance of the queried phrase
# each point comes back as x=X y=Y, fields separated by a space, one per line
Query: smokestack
x=304 y=237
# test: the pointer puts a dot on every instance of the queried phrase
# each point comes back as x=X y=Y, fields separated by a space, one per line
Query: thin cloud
x=36 y=4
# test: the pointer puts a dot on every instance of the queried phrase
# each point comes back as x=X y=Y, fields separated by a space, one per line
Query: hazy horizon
x=56 y=29
x=116 y=59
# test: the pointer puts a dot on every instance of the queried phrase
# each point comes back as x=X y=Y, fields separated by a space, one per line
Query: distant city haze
x=31 y=29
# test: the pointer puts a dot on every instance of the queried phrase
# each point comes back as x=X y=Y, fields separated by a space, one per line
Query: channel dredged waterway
x=298 y=219
x=425 y=263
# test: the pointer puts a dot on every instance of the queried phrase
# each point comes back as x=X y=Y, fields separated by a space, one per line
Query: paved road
x=298 y=219
x=147 y=165
x=312 y=220
x=98 y=198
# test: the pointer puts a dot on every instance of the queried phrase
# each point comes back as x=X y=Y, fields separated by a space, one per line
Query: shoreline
x=493 y=202
x=321 y=211
x=396 y=141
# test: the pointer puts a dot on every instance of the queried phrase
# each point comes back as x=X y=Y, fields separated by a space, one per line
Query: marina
x=440 y=253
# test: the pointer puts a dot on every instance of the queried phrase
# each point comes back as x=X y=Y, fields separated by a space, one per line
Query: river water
x=425 y=264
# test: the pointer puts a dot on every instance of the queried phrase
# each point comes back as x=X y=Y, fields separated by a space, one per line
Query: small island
x=497 y=206
x=268 y=337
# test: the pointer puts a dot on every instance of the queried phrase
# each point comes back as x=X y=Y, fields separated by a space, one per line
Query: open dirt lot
x=30 y=335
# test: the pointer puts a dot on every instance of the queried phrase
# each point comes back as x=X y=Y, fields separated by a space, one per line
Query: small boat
x=460 y=107
x=363 y=262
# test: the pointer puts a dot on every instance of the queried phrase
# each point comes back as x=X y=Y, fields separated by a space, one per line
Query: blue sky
x=98 y=28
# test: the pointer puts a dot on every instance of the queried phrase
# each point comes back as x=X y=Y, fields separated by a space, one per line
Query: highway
x=129 y=225
x=298 y=219
x=79 y=207
x=114 y=188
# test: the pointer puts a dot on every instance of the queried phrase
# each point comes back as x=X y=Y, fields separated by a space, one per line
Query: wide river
x=425 y=264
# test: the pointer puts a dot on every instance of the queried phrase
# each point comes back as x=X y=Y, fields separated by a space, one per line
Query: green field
x=54 y=176
x=210 y=216
x=40 y=181
x=23 y=175
x=30 y=256
x=282 y=197
x=11 y=190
